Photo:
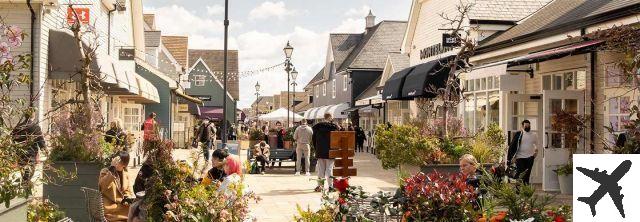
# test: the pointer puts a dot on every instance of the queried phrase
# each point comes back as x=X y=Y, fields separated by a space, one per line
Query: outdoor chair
x=95 y=206
x=66 y=219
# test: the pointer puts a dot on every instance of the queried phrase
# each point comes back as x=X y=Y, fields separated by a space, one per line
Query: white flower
x=527 y=220
x=4 y=49
x=14 y=35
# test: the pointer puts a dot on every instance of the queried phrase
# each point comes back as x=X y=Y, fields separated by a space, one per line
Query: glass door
x=526 y=107
x=556 y=143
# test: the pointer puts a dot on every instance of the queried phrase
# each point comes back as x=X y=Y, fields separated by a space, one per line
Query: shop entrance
x=522 y=107
x=556 y=144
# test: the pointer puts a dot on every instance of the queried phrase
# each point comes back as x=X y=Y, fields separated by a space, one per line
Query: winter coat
x=322 y=138
x=262 y=151
x=113 y=192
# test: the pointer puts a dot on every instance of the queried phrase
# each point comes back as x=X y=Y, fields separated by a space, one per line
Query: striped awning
x=335 y=110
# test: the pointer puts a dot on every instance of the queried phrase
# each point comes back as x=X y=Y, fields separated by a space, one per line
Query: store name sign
x=83 y=15
x=126 y=54
x=450 y=40
x=434 y=50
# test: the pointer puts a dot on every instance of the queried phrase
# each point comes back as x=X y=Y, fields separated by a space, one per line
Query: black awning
x=393 y=86
x=355 y=108
x=426 y=78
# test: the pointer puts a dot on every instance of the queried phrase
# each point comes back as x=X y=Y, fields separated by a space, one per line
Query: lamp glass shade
x=257 y=86
x=294 y=74
x=288 y=50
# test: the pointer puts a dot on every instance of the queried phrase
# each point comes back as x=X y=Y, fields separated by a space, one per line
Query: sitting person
x=233 y=169
x=114 y=187
x=261 y=153
x=469 y=168
x=216 y=173
x=141 y=179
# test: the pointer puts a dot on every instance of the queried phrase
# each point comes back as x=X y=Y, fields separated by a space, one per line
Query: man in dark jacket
x=322 y=142
x=207 y=136
x=523 y=149
x=360 y=138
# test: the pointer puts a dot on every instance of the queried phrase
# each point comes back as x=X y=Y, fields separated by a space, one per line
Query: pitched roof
x=379 y=40
x=178 y=47
x=214 y=59
x=152 y=38
x=399 y=60
x=342 y=45
x=505 y=10
x=563 y=15
x=150 y=20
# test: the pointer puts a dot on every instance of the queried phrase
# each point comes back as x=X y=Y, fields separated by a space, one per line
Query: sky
x=261 y=29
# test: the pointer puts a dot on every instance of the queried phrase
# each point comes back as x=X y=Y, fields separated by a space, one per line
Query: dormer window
x=199 y=80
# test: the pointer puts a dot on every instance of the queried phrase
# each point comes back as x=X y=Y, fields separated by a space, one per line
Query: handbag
x=512 y=172
x=254 y=168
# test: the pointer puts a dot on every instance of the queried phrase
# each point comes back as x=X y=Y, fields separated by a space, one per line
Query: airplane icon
x=608 y=184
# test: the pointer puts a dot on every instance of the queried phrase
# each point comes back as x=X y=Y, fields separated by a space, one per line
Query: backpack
x=204 y=133
x=254 y=168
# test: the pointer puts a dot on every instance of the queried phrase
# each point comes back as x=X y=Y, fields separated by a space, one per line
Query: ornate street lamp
x=288 y=50
x=257 y=96
x=294 y=76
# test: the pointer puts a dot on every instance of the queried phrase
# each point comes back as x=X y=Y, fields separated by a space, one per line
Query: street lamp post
x=257 y=96
x=288 y=50
x=294 y=76
x=224 y=94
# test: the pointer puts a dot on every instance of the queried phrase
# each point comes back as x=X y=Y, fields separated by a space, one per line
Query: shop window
x=619 y=110
x=199 y=80
x=333 y=88
x=345 y=82
x=482 y=103
x=316 y=90
x=324 y=89
x=131 y=119
x=573 y=80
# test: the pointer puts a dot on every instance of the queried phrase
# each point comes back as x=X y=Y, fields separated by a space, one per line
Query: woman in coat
x=115 y=189
x=261 y=152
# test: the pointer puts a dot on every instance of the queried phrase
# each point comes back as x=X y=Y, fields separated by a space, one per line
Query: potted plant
x=288 y=138
x=42 y=210
x=255 y=136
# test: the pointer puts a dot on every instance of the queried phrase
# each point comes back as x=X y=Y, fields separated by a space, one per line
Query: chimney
x=371 y=20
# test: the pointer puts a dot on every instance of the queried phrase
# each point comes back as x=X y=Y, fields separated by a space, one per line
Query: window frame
x=197 y=80
x=345 y=82
x=333 y=89
x=473 y=89
x=324 y=89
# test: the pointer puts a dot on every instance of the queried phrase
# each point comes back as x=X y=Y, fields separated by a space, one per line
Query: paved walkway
x=280 y=190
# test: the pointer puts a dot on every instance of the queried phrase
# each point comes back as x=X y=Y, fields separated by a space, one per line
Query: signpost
x=450 y=40
x=343 y=144
x=83 y=15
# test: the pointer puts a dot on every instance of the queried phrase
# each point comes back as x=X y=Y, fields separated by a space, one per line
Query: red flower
x=341 y=184
x=559 y=218
x=550 y=213
x=341 y=201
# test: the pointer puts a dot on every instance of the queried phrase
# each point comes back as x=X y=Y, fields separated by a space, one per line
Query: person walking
x=321 y=141
x=28 y=137
x=207 y=135
x=303 y=136
x=360 y=137
x=523 y=148
x=150 y=128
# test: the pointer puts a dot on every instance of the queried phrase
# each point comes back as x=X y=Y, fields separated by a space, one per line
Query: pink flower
x=14 y=35
x=6 y=58
x=4 y=49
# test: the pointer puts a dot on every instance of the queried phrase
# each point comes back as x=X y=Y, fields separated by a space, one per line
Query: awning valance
x=280 y=115
x=393 y=87
x=337 y=111
x=377 y=99
x=147 y=90
x=425 y=79
x=214 y=113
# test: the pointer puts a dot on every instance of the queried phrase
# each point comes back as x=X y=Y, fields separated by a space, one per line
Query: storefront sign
x=83 y=15
x=183 y=108
x=450 y=40
x=434 y=50
x=126 y=54
x=203 y=98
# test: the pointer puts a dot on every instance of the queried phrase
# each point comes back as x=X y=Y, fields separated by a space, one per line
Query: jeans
x=302 y=149
x=325 y=171
x=263 y=162
x=523 y=168
x=206 y=146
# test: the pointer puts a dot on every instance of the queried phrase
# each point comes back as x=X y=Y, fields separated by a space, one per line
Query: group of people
x=119 y=201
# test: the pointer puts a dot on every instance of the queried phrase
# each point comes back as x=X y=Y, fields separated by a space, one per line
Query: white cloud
x=176 y=20
x=350 y=25
x=358 y=12
x=271 y=9
x=215 y=9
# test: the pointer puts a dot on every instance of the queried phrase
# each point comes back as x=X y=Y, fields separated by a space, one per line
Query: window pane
x=613 y=121
x=625 y=105
x=483 y=83
x=571 y=106
x=581 y=80
x=557 y=82
x=481 y=110
x=497 y=82
x=469 y=108
x=569 y=82
x=490 y=83
x=477 y=84
x=470 y=87
x=494 y=107
x=613 y=75
x=556 y=105
x=613 y=106
x=546 y=82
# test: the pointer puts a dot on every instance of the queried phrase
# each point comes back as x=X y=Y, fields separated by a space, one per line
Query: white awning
x=147 y=90
x=336 y=111
x=279 y=115
x=377 y=99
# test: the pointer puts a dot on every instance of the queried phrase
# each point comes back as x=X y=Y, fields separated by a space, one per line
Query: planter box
x=447 y=168
x=67 y=194
x=566 y=184
x=17 y=210
x=288 y=145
